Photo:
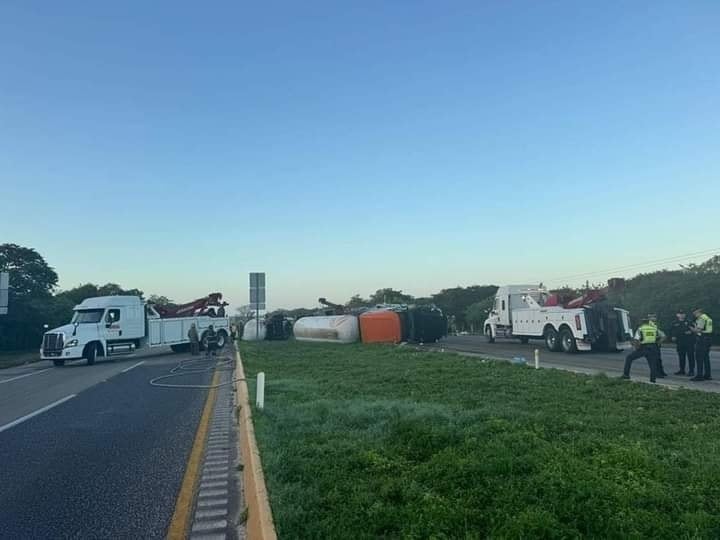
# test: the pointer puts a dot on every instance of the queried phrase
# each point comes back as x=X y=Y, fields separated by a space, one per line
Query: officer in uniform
x=703 y=330
x=652 y=319
x=646 y=337
x=684 y=337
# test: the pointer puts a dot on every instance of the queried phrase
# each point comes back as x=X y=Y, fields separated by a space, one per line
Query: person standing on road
x=652 y=319
x=703 y=330
x=194 y=340
x=684 y=337
x=211 y=341
x=646 y=337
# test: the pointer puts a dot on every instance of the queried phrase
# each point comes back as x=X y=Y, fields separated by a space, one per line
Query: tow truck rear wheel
x=551 y=340
x=567 y=341
x=59 y=362
x=221 y=339
x=488 y=335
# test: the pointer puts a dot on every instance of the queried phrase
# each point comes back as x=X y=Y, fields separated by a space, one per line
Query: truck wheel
x=91 y=354
x=552 y=342
x=59 y=362
x=567 y=341
x=221 y=339
x=488 y=335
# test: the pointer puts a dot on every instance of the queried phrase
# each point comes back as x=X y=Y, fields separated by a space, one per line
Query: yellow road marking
x=180 y=523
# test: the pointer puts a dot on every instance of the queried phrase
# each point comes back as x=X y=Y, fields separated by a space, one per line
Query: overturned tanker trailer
x=327 y=328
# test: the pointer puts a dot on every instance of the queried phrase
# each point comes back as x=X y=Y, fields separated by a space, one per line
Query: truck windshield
x=88 y=316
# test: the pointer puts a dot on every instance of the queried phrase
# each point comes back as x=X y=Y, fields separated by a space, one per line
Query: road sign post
x=4 y=292
x=257 y=297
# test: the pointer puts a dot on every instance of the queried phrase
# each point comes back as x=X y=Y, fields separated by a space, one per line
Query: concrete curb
x=259 y=523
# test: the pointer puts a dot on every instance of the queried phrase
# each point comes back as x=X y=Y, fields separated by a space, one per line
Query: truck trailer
x=528 y=312
x=109 y=326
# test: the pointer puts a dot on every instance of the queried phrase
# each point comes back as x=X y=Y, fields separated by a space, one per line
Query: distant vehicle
x=108 y=326
x=587 y=323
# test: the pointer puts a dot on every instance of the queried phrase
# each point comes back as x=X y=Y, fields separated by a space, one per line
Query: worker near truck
x=211 y=341
x=683 y=335
x=703 y=330
x=646 y=337
x=194 y=340
x=652 y=319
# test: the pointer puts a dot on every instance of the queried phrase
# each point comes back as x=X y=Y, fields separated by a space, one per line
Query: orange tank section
x=380 y=327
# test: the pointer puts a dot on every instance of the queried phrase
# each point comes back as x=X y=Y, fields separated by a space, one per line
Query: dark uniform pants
x=686 y=349
x=658 y=361
x=650 y=353
x=702 y=355
x=194 y=348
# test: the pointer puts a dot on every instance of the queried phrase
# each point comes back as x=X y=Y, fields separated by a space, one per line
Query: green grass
x=385 y=442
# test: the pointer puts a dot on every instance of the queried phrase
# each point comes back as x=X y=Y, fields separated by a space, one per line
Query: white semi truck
x=120 y=325
x=529 y=312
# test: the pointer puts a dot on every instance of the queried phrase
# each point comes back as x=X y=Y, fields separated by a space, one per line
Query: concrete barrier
x=259 y=523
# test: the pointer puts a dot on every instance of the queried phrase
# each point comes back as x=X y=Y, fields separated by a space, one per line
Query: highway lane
x=590 y=362
x=28 y=388
x=107 y=463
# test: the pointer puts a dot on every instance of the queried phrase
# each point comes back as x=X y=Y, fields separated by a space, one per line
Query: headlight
x=71 y=343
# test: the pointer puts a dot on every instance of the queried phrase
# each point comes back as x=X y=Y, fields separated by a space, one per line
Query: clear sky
x=346 y=146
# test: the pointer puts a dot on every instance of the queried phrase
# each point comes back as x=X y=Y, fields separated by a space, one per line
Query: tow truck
x=586 y=323
x=109 y=326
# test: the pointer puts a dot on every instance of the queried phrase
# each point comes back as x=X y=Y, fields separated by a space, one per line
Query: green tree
x=477 y=313
x=357 y=301
x=455 y=301
x=160 y=300
x=32 y=281
x=390 y=296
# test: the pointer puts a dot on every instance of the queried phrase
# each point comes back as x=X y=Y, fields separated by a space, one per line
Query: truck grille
x=53 y=342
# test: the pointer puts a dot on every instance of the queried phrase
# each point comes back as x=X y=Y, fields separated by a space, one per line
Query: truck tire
x=91 y=354
x=488 y=335
x=552 y=341
x=59 y=362
x=567 y=341
x=221 y=339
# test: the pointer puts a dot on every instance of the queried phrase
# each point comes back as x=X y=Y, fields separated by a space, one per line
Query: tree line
x=35 y=300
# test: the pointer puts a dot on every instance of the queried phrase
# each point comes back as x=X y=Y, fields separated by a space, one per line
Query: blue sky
x=346 y=146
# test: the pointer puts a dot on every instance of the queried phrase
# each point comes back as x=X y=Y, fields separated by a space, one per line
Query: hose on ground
x=194 y=366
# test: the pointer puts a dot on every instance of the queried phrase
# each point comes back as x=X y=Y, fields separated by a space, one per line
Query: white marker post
x=537 y=358
x=260 y=394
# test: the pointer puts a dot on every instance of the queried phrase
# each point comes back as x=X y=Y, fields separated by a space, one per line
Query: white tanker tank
x=254 y=330
x=332 y=329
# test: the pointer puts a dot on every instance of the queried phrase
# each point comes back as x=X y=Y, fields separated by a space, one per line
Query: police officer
x=703 y=330
x=684 y=337
x=652 y=319
x=646 y=337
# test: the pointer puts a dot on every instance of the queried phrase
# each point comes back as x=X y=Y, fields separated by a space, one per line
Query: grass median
x=372 y=441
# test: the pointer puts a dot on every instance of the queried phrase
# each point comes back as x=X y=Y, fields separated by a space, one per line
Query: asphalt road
x=106 y=463
x=584 y=362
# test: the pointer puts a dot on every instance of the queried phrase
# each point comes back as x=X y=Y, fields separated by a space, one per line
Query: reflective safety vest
x=707 y=327
x=648 y=334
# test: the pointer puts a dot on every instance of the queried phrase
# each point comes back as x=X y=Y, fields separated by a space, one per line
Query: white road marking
x=26 y=375
x=133 y=366
x=39 y=411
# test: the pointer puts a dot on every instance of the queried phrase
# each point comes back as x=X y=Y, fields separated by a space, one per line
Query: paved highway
x=94 y=451
x=608 y=363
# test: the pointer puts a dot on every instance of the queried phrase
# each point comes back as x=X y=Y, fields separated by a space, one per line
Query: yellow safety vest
x=707 y=329
x=648 y=334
